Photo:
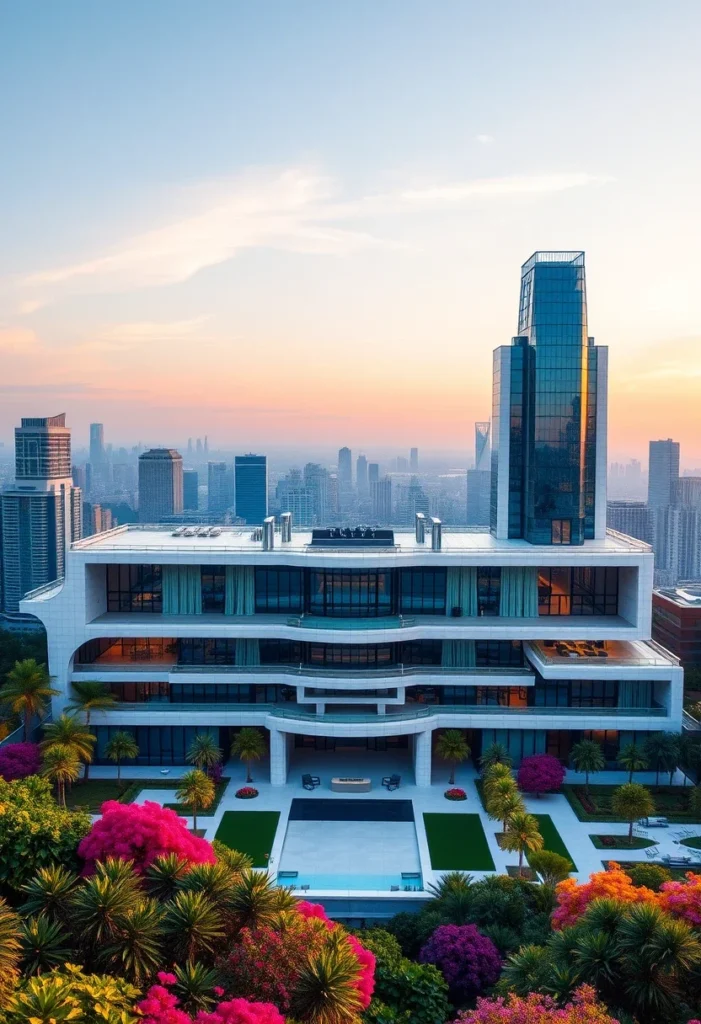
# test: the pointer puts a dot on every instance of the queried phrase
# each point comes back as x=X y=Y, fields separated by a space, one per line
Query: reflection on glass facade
x=423 y=590
x=350 y=593
x=213 y=588
x=279 y=590
x=581 y=590
x=134 y=588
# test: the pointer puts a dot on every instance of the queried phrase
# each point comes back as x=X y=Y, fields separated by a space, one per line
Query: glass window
x=421 y=652
x=134 y=588
x=279 y=590
x=423 y=590
x=488 y=590
x=213 y=588
x=350 y=593
x=499 y=653
x=580 y=590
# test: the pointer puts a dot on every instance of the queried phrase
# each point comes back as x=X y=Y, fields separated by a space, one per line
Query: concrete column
x=422 y=759
x=278 y=758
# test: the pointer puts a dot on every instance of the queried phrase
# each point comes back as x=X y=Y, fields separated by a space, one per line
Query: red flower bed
x=246 y=793
x=455 y=794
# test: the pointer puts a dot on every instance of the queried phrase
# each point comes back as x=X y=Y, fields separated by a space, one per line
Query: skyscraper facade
x=345 y=468
x=663 y=473
x=373 y=473
x=97 y=443
x=549 y=394
x=479 y=479
x=316 y=480
x=191 y=482
x=361 y=475
x=160 y=484
x=633 y=518
x=220 y=488
x=251 y=472
x=414 y=460
x=381 y=493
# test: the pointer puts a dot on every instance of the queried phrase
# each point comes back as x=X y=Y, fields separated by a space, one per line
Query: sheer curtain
x=247 y=652
x=182 y=590
x=458 y=654
x=461 y=590
x=519 y=592
x=240 y=591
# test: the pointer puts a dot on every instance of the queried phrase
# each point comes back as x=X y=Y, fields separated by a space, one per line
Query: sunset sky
x=302 y=221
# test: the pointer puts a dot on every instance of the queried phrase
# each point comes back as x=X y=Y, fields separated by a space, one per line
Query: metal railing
x=381 y=622
x=397 y=671
x=45 y=588
x=551 y=657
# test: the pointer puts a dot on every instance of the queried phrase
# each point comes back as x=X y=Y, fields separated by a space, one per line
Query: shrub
x=468 y=960
x=682 y=899
x=246 y=793
x=69 y=994
x=18 y=760
x=141 y=832
x=455 y=794
x=161 y=1006
x=552 y=867
x=573 y=899
x=36 y=833
x=540 y=773
x=649 y=876
x=538 y=1009
x=412 y=992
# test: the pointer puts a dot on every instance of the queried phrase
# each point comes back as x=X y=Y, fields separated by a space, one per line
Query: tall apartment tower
x=191 y=483
x=160 y=484
x=97 y=443
x=479 y=479
x=220 y=487
x=549 y=412
x=361 y=475
x=414 y=460
x=41 y=514
x=345 y=468
x=251 y=473
x=663 y=474
x=633 y=518
x=381 y=492
x=317 y=481
x=373 y=473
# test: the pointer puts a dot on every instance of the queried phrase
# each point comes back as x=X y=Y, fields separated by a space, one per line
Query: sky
x=295 y=221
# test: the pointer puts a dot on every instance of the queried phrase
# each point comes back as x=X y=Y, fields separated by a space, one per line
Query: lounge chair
x=311 y=781
x=392 y=781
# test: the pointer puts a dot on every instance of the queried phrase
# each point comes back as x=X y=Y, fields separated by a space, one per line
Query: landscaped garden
x=457 y=842
x=673 y=802
x=249 y=832
x=614 y=842
x=552 y=840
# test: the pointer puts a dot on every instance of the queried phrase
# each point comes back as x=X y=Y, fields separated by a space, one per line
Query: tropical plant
x=67 y=731
x=495 y=753
x=588 y=757
x=9 y=948
x=552 y=867
x=256 y=902
x=540 y=773
x=327 y=991
x=60 y=766
x=49 y=893
x=27 y=691
x=632 y=759
x=89 y=696
x=649 y=876
x=141 y=833
x=661 y=750
x=235 y=861
x=497 y=773
x=18 y=760
x=522 y=836
x=504 y=801
x=468 y=960
x=630 y=802
x=451 y=746
x=121 y=746
x=67 y=995
x=135 y=949
x=45 y=945
x=195 y=985
x=163 y=875
x=248 y=746
x=101 y=903
x=204 y=752
x=415 y=993
x=197 y=791
x=689 y=754
x=194 y=925
x=695 y=801
x=534 y=1008
x=574 y=898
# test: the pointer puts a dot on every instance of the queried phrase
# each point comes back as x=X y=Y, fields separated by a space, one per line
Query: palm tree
x=163 y=875
x=27 y=691
x=326 y=991
x=60 y=766
x=121 y=747
x=528 y=970
x=552 y=867
x=204 y=752
x=100 y=905
x=255 y=901
x=632 y=759
x=248 y=746
x=495 y=753
x=89 y=696
x=689 y=754
x=495 y=774
x=67 y=731
x=195 y=986
x=522 y=835
x=45 y=945
x=9 y=947
x=587 y=756
x=451 y=746
x=197 y=790
x=235 y=861
x=214 y=880
x=695 y=801
x=136 y=950
x=49 y=893
x=194 y=924
x=503 y=805
x=661 y=750
x=630 y=802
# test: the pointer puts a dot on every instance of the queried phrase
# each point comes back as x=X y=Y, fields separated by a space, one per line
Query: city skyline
x=389 y=224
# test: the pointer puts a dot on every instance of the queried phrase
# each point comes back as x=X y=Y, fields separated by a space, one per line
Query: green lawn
x=694 y=842
x=552 y=839
x=251 y=832
x=457 y=842
x=671 y=802
x=621 y=842
x=92 y=794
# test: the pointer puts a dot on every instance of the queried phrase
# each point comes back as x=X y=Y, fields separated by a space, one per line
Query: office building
x=410 y=500
x=479 y=480
x=191 y=483
x=97 y=444
x=631 y=517
x=414 y=460
x=402 y=464
x=41 y=514
x=292 y=495
x=316 y=480
x=345 y=468
x=676 y=621
x=251 y=472
x=663 y=473
x=96 y=519
x=160 y=484
x=549 y=393
x=688 y=493
x=220 y=488
x=381 y=494
x=373 y=473
x=361 y=475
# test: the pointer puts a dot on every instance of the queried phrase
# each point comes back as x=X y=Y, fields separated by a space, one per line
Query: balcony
x=580 y=659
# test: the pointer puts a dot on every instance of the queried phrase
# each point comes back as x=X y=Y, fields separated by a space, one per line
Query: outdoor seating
x=392 y=781
x=676 y=861
x=311 y=781
x=651 y=852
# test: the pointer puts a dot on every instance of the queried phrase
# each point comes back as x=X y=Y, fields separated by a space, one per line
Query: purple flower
x=468 y=960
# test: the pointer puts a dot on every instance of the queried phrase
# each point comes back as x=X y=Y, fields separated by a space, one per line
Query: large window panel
x=422 y=591
x=134 y=588
x=350 y=593
x=279 y=590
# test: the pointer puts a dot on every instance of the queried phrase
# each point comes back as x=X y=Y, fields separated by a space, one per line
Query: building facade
x=160 y=484
x=676 y=621
x=191 y=496
x=632 y=517
x=251 y=485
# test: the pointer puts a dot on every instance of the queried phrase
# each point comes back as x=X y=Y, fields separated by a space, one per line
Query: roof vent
x=286 y=527
x=420 y=528
x=269 y=533
x=435 y=535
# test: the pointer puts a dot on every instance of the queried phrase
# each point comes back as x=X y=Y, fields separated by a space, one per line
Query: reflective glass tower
x=548 y=393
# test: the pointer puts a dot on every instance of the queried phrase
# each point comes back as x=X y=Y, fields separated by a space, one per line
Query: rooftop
x=688 y=595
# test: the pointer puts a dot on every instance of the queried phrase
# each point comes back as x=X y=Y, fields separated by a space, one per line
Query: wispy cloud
x=463 y=191
x=484 y=140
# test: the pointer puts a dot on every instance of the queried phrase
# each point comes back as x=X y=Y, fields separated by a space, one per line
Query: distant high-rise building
x=206 y=444
x=402 y=464
x=633 y=518
x=373 y=473
x=199 y=446
x=414 y=460
x=483 y=455
x=220 y=488
x=412 y=499
x=251 y=472
x=549 y=393
x=479 y=479
x=189 y=446
x=41 y=515
x=96 y=519
x=316 y=479
x=689 y=492
x=345 y=468
x=381 y=491
x=191 y=483
x=97 y=443
x=124 y=478
x=294 y=496
x=663 y=474
x=160 y=484
x=78 y=475
x=361 y=475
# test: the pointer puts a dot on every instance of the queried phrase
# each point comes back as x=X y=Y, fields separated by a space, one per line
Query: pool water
x=350 y=881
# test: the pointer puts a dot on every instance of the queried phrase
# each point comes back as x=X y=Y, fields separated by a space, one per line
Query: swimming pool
x=369 y=882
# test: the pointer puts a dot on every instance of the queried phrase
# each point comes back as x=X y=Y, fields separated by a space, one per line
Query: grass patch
x=608 y=842
x=694 y=843
x=251 y=832
x=671 y=802
x=552 y=840
x=92 y=794
x=457 y=842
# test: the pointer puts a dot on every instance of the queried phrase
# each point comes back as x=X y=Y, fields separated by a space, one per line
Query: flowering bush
x=246 y=793
x=215 y=772
x=540 y=773
x=468 y=960
x=241 y=1011
x=538 y=1009
x=141 y=832
x=573 y=899
x=18 y=760
x=682 y=899
x=161 y=1006
x=455 y=794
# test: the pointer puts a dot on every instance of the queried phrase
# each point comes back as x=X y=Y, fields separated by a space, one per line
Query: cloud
x=484 y=140
x=17 y=341
x=462 y=191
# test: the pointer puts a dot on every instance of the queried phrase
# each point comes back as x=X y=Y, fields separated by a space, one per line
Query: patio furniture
x=392 y=782
x=676 y=862
x=654 y=822
x=311 y=781
x=394 y=888
x=651 y=852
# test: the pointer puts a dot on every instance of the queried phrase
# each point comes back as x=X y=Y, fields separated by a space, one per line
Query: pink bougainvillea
x=241 y=1011
x=18 y=760
x=682 y=899
x=366 y=981
x=538 y=1009
x=315 y=910
x=141 y=832
x=161 y=1006
x=540 y=773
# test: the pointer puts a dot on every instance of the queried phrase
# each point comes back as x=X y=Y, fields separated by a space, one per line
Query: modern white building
x=535 y=634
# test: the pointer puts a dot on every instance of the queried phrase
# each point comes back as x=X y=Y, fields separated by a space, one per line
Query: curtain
x=519 y=592
x=458 y=654
x=182 y=590
x=247 y=652
x=635 y=693
x=240 y=591
x=461 y=590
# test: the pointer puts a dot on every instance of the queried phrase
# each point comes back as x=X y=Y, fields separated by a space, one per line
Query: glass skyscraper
x=251 y=473
x=545 y=400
